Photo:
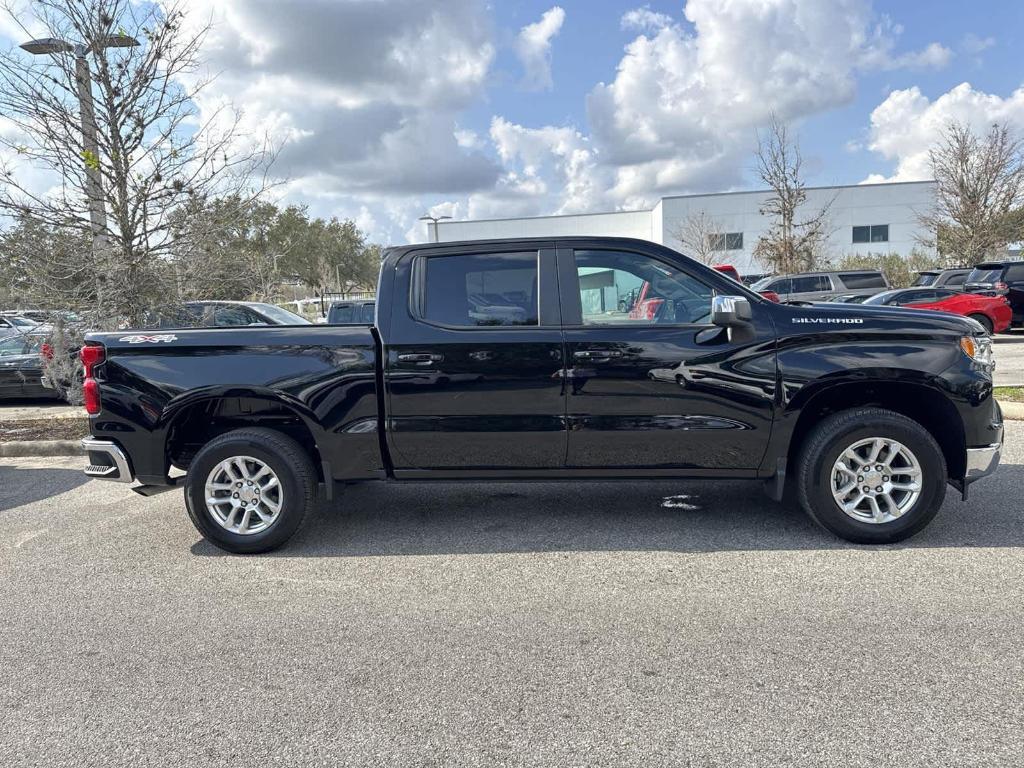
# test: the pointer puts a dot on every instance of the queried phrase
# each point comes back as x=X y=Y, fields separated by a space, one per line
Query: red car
x=993 y=312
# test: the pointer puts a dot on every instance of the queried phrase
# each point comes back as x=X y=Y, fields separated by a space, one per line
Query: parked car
x=354 y=312
x=1003 y=278
x=992 y=312
x=731 y=271
x=10 y=322
x=942 y=278
x=21 y=367
x=714 y=382
x=217 y=314
x=849 y=298
x=820 y=286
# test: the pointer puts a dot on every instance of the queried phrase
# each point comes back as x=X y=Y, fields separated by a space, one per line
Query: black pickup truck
x=551 y=358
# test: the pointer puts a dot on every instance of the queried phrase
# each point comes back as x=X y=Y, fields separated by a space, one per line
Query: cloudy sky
x=390 y=108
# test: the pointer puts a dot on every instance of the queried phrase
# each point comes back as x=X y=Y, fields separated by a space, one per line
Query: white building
x=865 y=218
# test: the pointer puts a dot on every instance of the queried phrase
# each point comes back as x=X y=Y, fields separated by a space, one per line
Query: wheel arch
x=192 y=421
x=925 y=404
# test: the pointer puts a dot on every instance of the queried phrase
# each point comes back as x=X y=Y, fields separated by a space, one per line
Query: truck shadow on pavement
x=25 y=485
x=693 y=516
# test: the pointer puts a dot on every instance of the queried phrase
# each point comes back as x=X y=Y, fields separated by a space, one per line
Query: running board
x=153 y=490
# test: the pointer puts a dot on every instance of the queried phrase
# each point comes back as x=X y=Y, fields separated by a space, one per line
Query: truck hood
x=838 y=316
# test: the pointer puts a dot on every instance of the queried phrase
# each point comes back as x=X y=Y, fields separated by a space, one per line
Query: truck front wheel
x=871 y=476
x=248 y=491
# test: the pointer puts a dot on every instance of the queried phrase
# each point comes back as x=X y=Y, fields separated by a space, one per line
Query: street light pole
x=90 y=132
x=434 y=219
x=91 y=147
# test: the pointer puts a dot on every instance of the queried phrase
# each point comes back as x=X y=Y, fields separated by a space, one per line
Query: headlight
x=978 y=348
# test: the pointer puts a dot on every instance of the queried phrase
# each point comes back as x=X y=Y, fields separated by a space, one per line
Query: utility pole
x=432 y=234
x=90 y=134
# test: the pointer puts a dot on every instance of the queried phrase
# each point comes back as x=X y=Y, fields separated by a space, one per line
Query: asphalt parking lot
x=1009 y=354
x=517 y=624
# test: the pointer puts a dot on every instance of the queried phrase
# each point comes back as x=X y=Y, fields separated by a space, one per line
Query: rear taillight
x=91 y=355
x=91 y=396
x=46 y=351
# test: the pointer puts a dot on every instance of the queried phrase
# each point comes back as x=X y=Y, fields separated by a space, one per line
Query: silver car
x=822 y=286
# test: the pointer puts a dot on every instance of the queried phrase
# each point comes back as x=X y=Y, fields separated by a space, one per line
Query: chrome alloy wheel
x=876 y=480
x=243 y=495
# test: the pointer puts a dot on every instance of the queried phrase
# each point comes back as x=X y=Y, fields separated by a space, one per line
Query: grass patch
x=1009 y=394
x=43 y=429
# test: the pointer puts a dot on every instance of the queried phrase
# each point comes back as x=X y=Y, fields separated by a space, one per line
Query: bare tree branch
x=792 y=243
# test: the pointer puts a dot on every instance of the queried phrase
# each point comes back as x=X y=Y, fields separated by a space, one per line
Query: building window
x=726 y=241
x=876 y=233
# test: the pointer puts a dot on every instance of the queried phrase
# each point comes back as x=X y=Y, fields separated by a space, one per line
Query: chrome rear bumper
x=106 y=461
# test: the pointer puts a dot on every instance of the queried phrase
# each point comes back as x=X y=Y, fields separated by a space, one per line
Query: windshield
x=281 y=316
x=761 y=284
x=926 y=278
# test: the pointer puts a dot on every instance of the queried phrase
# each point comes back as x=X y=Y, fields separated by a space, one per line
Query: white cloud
x=973 y=44
x=641 y=19
x=681 y=112
x=533 y=46
x=907 y=123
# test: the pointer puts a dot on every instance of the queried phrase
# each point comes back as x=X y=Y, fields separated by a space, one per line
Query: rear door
x=811 y=288
x=473 y=363
x=659 y=390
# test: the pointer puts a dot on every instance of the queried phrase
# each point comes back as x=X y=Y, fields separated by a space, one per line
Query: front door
x=473 y=362
x=650 y=383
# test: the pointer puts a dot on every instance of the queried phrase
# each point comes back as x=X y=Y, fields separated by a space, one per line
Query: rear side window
x=985 y=274
x=811 y=284
x=480 y=290
x=1014 y=273
x=856 y=280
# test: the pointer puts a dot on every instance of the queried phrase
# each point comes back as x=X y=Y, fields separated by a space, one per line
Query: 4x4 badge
x=138 y=339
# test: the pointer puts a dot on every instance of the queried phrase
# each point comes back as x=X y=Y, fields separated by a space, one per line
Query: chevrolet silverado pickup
x=535 y=359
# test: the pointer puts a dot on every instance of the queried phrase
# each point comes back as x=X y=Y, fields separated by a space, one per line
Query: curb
x=1012 y=411
x=41 y=448
x=43 y=416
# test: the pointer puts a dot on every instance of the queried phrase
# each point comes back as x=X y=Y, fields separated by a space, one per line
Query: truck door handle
x=596 y=354
x=420 y=358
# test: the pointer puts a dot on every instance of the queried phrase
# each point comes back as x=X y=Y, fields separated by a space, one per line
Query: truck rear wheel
x=871 y=476
x=248 y=491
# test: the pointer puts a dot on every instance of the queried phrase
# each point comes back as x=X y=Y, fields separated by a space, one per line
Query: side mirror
x=730 y=311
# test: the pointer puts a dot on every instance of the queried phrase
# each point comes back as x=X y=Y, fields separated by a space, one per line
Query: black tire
x=289 y=462
x=984 y=321
x=832 y=437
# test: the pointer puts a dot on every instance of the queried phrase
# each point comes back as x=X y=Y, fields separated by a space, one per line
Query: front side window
x=624 y=288
x=15 y=345
x=915 y=297
x=480 y=290
x=235 y=316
